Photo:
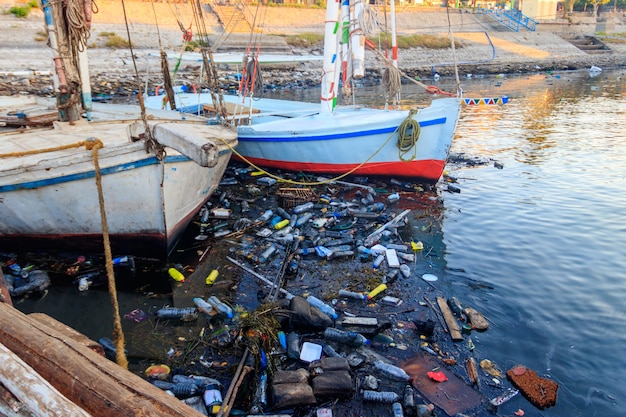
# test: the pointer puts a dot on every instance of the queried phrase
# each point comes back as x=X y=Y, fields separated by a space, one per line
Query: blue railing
x=513 y=19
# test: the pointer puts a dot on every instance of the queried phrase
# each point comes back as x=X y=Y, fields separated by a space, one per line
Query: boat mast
x=67 y=78
x=394 y=40
x=328 y=95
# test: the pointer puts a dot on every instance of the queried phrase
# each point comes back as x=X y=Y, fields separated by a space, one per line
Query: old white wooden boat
x=337 y=139
x=102 y=170
x=48 y=191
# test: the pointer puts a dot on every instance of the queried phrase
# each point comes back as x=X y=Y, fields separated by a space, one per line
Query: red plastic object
x=437 y=376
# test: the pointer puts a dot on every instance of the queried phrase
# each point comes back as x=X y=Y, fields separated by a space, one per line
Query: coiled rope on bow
x=408 y=134
x=392 y=83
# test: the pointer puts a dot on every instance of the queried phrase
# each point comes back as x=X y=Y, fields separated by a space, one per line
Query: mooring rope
x=118 y=333
x=408 y=134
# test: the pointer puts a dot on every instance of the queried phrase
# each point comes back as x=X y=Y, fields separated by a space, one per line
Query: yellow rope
x=118 y=334
x=330 y=180
x=408 y=134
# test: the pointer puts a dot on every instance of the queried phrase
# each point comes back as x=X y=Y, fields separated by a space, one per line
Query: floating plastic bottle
x=379 y=260
x=409 y=398
x=293 y=345
x=303 y=207
x=376 y=291
x=259 y=402
x=176 y=275
x=267 y=253
x=265 y=216
x=393 y=198
x=188 y=313
x=303 y=219
x=375 y=208
x=397 y=410
x=325 y=308
x=220 y=307
x=329 y=351
x=282 y=213
x=406 y=271
x=381 y=396
x=351 y=294
x=203 y=306
x=212 y=396
x=349 y=338
x=392 y=371
x=340 y=254
x=425 y=410
x=210 y=279
x=281 y=224
x=307 y=251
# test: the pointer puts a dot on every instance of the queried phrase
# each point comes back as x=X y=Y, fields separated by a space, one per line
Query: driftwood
x=34 y=392
x=95 y=384
x=453 y=326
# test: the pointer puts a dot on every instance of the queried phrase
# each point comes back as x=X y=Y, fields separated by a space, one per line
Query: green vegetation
x=415 y=41
x=305 y=40
x=195 y=46
x=24 y=10
x=114 y=41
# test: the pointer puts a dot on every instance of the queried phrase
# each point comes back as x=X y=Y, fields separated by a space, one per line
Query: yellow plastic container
x=281 y=224
x=176 y=275
x=376 y=291
x=210 y=279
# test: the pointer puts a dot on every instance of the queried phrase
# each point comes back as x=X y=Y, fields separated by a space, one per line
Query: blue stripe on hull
x=297 y=138
x=91 y=174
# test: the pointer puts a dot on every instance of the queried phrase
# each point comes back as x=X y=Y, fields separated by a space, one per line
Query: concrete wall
x=539 y=9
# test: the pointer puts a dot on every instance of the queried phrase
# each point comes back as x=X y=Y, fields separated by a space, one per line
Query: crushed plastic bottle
x=351 y=294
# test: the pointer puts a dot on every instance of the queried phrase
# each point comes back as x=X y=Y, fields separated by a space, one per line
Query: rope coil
x=408 y=134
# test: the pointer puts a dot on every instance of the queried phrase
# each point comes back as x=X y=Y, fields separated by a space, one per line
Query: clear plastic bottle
x=325 y=308
x=267 y=253
x=265 y=216
x=381 y=396
x=409 y=398
x=349 y=338
x=293 y=345
x=391 y=371
x=379 y=260
x=203 y=306
x=329 y=351
x=351 y=294
x=303 y=219
x=397 y=410
x=189 y=313
x=303 y=207
x=220 y=307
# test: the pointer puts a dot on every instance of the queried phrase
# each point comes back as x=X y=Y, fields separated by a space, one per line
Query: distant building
x=539 y=9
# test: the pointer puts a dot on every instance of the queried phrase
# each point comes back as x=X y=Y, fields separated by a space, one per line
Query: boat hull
x=52 y=200
x=295 y=136
x=357 y=140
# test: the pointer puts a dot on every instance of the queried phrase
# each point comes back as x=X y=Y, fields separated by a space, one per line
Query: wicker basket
x=288 y=198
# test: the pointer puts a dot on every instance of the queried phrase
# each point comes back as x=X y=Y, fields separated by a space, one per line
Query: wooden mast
x=328 y=95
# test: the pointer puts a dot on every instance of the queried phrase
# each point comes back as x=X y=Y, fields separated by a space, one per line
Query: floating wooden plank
x=68 y=331
x=41 y=398
x=453 y=326
x=452 y=396
x=95 y=384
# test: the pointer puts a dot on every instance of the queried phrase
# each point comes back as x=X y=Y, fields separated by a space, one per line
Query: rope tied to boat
x=94 y=144
x=408 y=134
x=88 y=144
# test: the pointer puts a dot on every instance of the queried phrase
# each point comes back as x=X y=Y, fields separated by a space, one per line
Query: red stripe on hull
x=429 y=170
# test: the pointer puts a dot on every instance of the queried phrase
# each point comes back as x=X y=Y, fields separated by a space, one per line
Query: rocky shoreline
x=483 y=50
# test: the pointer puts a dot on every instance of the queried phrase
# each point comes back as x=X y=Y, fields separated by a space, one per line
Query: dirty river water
x=534 y=240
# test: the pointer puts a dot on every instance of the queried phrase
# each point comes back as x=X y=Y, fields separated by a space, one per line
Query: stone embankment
x=483 y=47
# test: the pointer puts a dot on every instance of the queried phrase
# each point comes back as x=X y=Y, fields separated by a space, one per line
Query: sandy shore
x=484 y=48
